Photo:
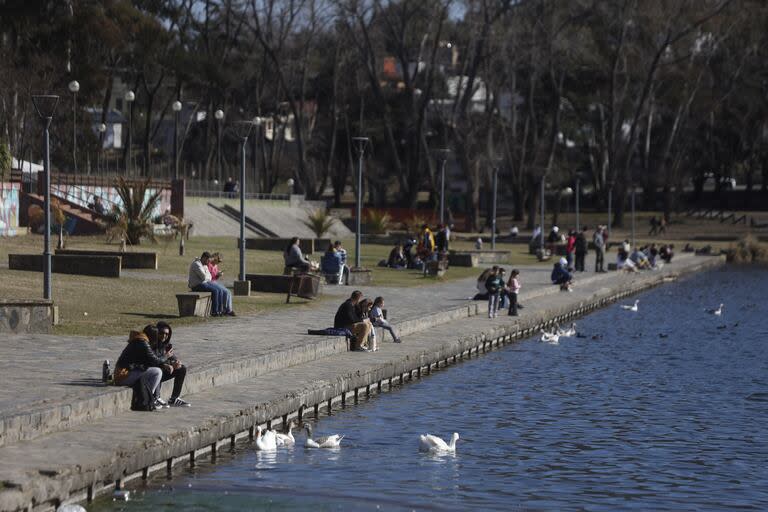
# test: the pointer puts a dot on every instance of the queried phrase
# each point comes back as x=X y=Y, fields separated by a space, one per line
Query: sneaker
x=230 y=313
x=178 y=402
x=160 y=403
x=398 y=340
x=520 y=306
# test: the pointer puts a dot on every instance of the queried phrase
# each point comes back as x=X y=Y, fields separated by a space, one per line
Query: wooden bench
x=194 y=303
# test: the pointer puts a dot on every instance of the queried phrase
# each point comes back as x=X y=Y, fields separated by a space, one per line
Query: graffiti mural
x=83 y=195
x=9 y=208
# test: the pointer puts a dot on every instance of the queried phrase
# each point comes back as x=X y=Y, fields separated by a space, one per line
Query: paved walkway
x=101 y=449
x=39 y=370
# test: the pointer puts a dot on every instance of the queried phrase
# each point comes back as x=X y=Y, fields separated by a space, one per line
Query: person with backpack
x=580 y=249
x=138 y=367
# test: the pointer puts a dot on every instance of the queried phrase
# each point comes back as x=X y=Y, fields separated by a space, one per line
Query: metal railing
x=220 y=194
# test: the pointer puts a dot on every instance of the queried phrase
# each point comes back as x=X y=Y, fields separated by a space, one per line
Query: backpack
x=142 y=399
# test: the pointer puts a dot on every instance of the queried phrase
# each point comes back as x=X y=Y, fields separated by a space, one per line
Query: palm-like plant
x=319 y=222
x=133 y=221
x=377 y=222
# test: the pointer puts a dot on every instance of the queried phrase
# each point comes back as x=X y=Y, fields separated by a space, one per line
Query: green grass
x=94 y=306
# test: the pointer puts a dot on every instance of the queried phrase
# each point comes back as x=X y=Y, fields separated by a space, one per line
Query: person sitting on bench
x=331 y=265
x=294 y=258
x=200 y=281
x=348 y=317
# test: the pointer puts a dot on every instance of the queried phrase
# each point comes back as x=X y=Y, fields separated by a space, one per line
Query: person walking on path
x=378 y=320
x=348 y=317
x=493 y=285
x=513 y=288
x=580 y=249
x=599 y=242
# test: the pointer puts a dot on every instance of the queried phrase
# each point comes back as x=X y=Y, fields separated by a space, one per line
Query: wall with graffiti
x=9 y=208
x=83 y=195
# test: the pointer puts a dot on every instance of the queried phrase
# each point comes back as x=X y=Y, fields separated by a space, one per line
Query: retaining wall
x=146 y=260
x=27 y=316
x=99 y=266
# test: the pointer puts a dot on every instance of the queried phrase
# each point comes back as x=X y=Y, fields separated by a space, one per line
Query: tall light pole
x=541 y=226
x=242 y=130
x=177 y=110
x=46 y=106
x=493 y=208
x=102 y=131
x=361 y=142
x=442 y=155
x=578 y=193
x=610 y=198
x=633 y=216
x=74 y=87
x=219 y=115
x=129 y=98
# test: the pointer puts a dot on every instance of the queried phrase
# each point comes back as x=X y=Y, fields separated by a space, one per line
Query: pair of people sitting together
x=204 y=275
x=333 y=264
x=359 y=316
x=145 y=363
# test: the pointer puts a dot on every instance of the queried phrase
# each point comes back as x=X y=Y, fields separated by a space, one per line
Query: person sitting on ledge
x=348 y=317
x=666 y=252
x=213 y=266
x=172 y=369
x=623 y=262
x=331 y=265
x=378 y=320
x=200 y=281
x=561 y=276
x=138 y=363
x=397 y=257
x=294 y=258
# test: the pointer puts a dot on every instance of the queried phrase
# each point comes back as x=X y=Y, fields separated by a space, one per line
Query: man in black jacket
x=580 y=248
x=348 y=317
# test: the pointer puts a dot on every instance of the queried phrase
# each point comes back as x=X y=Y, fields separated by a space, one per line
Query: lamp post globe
x=219 y=115
x=176 y=106
x=129 y=96
x=74 y=86
x=102 y=128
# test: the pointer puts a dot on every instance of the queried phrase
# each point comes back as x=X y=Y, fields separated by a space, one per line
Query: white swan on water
x=266 y=440
x=430 y=443
x=569 y=332
x=550 y=337
x=716 y=312
x=632 y=307
x=333 y=441
x=285 y=439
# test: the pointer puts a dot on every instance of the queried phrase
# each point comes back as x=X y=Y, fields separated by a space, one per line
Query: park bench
x=194 y=303
x=297 y=283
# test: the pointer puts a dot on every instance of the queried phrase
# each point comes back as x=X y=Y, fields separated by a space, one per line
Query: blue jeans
x=220 y=297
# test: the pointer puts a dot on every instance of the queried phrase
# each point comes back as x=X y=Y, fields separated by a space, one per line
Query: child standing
x=513 y=288
x=377 y=318
x=493 y=285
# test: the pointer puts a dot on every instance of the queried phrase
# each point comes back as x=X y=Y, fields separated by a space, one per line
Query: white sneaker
x=160 y=403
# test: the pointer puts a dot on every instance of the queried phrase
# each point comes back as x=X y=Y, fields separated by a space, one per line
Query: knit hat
x=555 y=229
x=563 y=261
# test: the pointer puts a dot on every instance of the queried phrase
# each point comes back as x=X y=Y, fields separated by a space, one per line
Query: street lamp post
x=361 y=142
x=541 y=226
x=633 y=216
x=74 y=87
x=578 y=193
x=493 y=208
x=100 y=162
x=610 y=199
x=129 y=97
x=177 y=110
x=242 y=130
x=45 y=106
x=219 y=115
x=442 y=155
x=291 y=182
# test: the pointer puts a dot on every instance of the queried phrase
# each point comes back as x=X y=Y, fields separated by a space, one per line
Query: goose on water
x=285 y=439
x=430 y=443
x=333 y=441
x=549 y=337
x=266 y=440
x=633 y=307
x=716 y=312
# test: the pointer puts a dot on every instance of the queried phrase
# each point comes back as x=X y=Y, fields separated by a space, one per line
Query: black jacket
x=138 y=355
x=581 y=244
x=346 y=316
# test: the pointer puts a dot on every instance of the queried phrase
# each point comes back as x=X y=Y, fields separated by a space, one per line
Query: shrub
x=413 y=225
x=377 y=222
x=748 y=250
x=133 y=221
x=319 y=222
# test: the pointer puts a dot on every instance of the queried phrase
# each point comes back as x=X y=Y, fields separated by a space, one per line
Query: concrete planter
x=145 y=260
x=27 y=316
x=100 y=266
x=360 y=276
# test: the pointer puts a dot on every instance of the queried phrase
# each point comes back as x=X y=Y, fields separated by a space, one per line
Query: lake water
x=663 y=409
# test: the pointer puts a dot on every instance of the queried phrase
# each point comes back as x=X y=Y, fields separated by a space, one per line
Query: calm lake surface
x=665 y=409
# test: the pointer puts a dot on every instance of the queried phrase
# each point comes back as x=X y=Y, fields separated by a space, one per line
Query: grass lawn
x=93 y=306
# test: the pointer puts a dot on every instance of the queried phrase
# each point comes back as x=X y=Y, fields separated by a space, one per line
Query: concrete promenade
x=66 y=437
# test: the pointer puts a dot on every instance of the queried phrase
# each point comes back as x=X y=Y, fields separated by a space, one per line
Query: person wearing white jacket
x=200 y=281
